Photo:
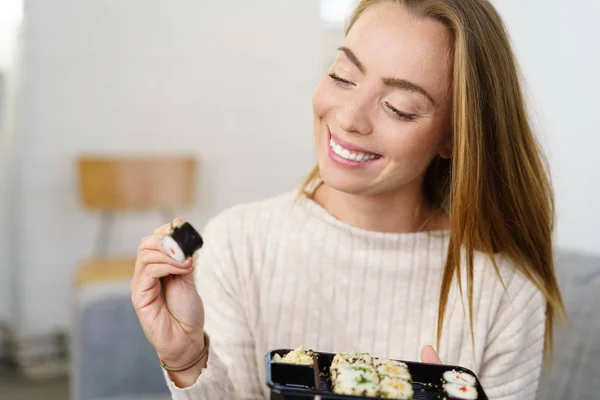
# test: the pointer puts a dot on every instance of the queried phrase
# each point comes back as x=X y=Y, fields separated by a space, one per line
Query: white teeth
x=349 y=155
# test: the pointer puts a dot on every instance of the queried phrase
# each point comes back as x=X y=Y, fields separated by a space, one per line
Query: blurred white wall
x=559 y=52
x=228 y=81
x=10 y=17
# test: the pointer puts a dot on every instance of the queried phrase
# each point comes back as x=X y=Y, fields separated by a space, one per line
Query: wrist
x=181 y=364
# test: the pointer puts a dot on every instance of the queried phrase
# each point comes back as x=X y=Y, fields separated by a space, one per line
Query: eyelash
x=397 y=113
x=400 y=114
x=340 y=81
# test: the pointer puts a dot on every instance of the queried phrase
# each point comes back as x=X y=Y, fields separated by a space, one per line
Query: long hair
x=496 y=187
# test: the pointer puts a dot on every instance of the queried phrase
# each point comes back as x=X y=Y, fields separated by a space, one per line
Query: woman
x=427 y=221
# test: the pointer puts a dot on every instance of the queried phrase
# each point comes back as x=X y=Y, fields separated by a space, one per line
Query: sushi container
x=361 y=376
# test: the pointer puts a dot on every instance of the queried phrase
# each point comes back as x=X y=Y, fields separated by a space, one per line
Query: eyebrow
x=394 y=82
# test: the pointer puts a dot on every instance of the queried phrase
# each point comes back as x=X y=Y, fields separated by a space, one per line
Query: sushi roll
x=183 y=242
x=460 y=378
x=378 y=361
x=354 y=380
x=395 y=388
x=460 y=392
x=338 y=369
x=352 y=358
x=297 y=356
x=394 y=371
x=392 y=368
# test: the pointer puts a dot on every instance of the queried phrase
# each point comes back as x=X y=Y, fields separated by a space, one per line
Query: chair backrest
x=136 y=183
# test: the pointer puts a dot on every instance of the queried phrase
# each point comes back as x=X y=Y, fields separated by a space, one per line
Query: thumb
x=430 y=356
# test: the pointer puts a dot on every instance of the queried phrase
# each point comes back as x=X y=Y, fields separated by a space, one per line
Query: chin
x=344 y=181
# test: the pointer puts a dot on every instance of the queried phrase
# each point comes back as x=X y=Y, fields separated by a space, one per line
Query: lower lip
x=347 y=163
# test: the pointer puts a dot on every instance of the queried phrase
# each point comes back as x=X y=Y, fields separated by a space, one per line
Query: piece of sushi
x=297 y=356
x=395 y=388
x=460 y=378
x=354 y=380
x=183 y=242
x=460 y=392
x=378 y=361
x=352 y=358
x=338 y=369
x=394 y=371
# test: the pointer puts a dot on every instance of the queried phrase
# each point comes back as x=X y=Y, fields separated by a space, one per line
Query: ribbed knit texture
x=280 y=274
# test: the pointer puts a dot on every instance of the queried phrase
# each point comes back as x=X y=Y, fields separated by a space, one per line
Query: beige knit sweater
x=279 y=274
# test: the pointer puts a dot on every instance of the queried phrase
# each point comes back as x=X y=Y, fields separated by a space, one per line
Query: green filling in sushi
x=362 y=375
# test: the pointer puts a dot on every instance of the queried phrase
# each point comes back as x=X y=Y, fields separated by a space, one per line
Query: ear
x=446 y=151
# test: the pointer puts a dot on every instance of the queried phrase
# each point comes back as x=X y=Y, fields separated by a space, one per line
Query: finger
x=168 y=228
x=159 y=257
x=152 y=256
x=153 y=272
x=430 y=356
x=163 y=229
x=152 y=242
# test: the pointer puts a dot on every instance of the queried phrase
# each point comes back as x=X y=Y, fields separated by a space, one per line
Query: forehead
x=392 y=43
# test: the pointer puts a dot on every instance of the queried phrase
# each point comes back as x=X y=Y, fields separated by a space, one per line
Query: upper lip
x=349 y=146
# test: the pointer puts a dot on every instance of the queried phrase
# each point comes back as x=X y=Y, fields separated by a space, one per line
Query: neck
x=400 y=212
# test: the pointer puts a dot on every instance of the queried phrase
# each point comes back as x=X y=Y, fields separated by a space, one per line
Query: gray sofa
x=112 y=359
x=575 y=370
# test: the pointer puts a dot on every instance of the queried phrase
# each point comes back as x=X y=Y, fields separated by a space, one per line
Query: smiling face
x=382 y=111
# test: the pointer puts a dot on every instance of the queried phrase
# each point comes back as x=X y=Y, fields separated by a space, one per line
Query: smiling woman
x=427 y=221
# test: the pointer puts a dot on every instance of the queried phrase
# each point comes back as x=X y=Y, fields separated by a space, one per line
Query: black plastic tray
x=304 y=382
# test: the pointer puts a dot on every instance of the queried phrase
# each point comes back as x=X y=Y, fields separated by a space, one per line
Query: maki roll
x=460 y=392
x=297 y=356
x=459 y=385
x=460 y=378
x=392 y=368
x=341 y=369
x=352 y=358
x=379 y=361
x=395 y=388
x=354 y=380
x=183 y=242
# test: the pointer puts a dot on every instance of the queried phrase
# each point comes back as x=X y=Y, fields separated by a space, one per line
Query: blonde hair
x=496 y=188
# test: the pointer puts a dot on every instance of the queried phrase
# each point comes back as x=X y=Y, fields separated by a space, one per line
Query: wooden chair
x=111 y=185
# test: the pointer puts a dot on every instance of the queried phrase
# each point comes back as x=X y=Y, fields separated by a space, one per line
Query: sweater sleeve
x=231 y=372
x=513 y=354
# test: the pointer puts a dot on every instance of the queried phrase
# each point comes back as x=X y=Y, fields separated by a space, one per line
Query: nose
x=353 y=115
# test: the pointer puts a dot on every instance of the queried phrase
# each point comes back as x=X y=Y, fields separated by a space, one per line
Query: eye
x=401 y=114
x=340 y=81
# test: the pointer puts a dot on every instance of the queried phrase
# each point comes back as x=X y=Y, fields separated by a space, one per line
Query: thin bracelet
x=193 y=363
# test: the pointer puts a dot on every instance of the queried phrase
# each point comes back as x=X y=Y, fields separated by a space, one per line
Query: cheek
x=413 y=144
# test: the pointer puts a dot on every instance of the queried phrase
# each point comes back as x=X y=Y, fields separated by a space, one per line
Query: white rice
x=460 y=392
x=460 y=378
x=173 y=249
x=394 y=388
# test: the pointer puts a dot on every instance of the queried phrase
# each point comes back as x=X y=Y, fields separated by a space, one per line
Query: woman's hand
x=168 y=306
x=430 y=356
